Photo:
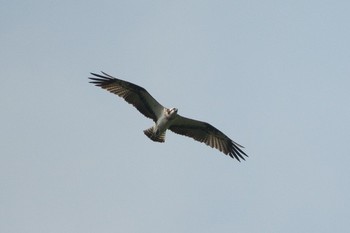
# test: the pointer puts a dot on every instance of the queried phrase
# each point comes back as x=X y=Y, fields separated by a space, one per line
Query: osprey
x=167 y=118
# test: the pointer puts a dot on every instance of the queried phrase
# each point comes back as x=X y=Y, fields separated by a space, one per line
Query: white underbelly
x=162 y=124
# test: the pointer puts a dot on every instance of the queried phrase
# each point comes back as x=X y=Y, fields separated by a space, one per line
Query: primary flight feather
x=167 y=118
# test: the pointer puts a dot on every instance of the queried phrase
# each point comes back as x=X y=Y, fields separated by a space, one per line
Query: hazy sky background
x=273 y=75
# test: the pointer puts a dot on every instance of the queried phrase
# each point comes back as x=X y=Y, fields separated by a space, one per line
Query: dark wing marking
x=133 y=94
x=204 y=132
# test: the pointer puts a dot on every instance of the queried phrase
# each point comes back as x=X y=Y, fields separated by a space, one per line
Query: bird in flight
x=167 y=118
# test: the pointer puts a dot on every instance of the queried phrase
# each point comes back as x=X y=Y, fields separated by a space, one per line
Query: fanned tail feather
x=153 y=136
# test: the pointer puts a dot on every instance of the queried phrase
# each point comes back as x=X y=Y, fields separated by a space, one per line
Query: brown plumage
x=166 y=118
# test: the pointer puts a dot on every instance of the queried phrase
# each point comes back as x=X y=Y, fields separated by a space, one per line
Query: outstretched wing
x=131 y=93
x=204 y=132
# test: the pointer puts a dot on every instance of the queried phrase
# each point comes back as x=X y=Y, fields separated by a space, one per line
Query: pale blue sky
x=273 y=75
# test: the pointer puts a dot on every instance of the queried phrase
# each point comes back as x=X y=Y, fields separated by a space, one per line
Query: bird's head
x=171 y=112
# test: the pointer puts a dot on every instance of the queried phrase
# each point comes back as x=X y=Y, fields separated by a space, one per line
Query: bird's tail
x=157 y=137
